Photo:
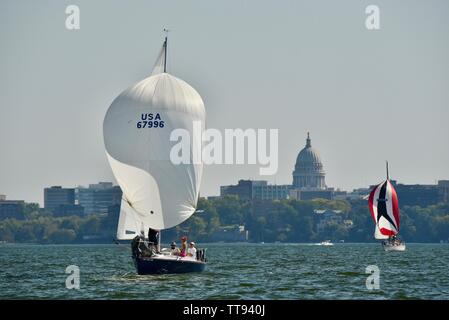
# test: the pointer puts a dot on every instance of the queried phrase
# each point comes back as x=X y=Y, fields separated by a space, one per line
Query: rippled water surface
x=235 y=271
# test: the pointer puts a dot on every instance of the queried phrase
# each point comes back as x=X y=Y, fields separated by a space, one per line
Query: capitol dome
x=309 y=173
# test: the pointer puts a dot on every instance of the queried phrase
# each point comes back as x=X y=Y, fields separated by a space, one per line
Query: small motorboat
x=325 y=243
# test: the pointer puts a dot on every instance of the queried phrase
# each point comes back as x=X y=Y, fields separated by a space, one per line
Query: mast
x=388 y=176
x=165 y=55
x=165 y=49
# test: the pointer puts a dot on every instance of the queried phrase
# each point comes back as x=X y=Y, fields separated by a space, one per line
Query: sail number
x=150 y=120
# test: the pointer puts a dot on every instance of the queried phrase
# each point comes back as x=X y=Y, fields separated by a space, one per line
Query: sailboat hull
x=164 y=265
x=391 y=247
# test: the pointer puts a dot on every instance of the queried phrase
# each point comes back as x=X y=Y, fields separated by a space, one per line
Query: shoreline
x=214 y=243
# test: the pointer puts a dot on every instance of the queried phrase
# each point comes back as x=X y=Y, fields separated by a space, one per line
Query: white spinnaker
x=135 y=184
x=156 y=192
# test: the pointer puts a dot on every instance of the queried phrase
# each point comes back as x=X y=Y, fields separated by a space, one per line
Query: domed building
x=309 y=173
x=308 y=181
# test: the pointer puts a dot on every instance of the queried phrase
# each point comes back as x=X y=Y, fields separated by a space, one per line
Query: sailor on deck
x=183 y=252
x=174 y=251
x=152 y=239
x=191 y=251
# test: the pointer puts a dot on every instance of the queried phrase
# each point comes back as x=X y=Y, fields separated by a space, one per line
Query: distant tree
x=197 y=226
x=30 y=210
x=282 y=237
x=90 y=226
x=6 y=234
x=62 y=236
x=49 y=229
x=25 y=234
x=269 y=221
x=230 y=210
x=335 y=231
x=72 y=222
x=209 y=215
x=441 y=227
x=343 y=205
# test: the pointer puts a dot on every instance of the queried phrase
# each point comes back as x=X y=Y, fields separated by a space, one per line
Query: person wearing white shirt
x=191 y=251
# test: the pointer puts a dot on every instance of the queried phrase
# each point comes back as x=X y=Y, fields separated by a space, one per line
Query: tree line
x=267 y=221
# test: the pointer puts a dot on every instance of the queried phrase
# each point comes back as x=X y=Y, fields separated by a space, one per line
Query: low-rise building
x=356 y=194
x=243 y=189
x=11 y=209
x=302 y=194
x=417 y=194
x=256 y=189
x=97 y=198
x=443 y=190
x=271 y=192
x=56 y=196
x=422 y=195
x=68 y=210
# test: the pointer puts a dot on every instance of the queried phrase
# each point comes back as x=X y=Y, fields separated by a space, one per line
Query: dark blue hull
x=161 y=266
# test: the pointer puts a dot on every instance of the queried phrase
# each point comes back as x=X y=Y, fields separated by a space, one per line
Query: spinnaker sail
x=157 y=193
x=384 y=207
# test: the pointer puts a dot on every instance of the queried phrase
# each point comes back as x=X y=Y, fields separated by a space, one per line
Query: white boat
x=384 y=207
x=325 y=243
x=388 y=246
x=158 y=192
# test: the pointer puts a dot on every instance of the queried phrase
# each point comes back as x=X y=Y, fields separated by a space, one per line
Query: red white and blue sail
x=384 y=207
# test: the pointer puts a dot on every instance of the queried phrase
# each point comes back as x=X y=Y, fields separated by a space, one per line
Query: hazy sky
x=298 y=66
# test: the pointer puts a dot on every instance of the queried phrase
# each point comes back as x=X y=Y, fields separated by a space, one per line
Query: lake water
x=235 y=271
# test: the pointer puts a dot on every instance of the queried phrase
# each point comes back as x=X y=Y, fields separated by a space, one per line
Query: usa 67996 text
x=230 y=309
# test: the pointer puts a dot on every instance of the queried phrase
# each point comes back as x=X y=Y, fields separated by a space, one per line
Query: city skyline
x=365 y=96
x=356 y=191
x=315 y=154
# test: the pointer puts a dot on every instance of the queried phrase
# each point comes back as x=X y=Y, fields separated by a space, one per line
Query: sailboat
x=384 y=207
x=158 y=193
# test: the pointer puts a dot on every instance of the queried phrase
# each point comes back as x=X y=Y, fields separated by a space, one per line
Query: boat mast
x=388 y=176
x=165 y=55
x=165 y=49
